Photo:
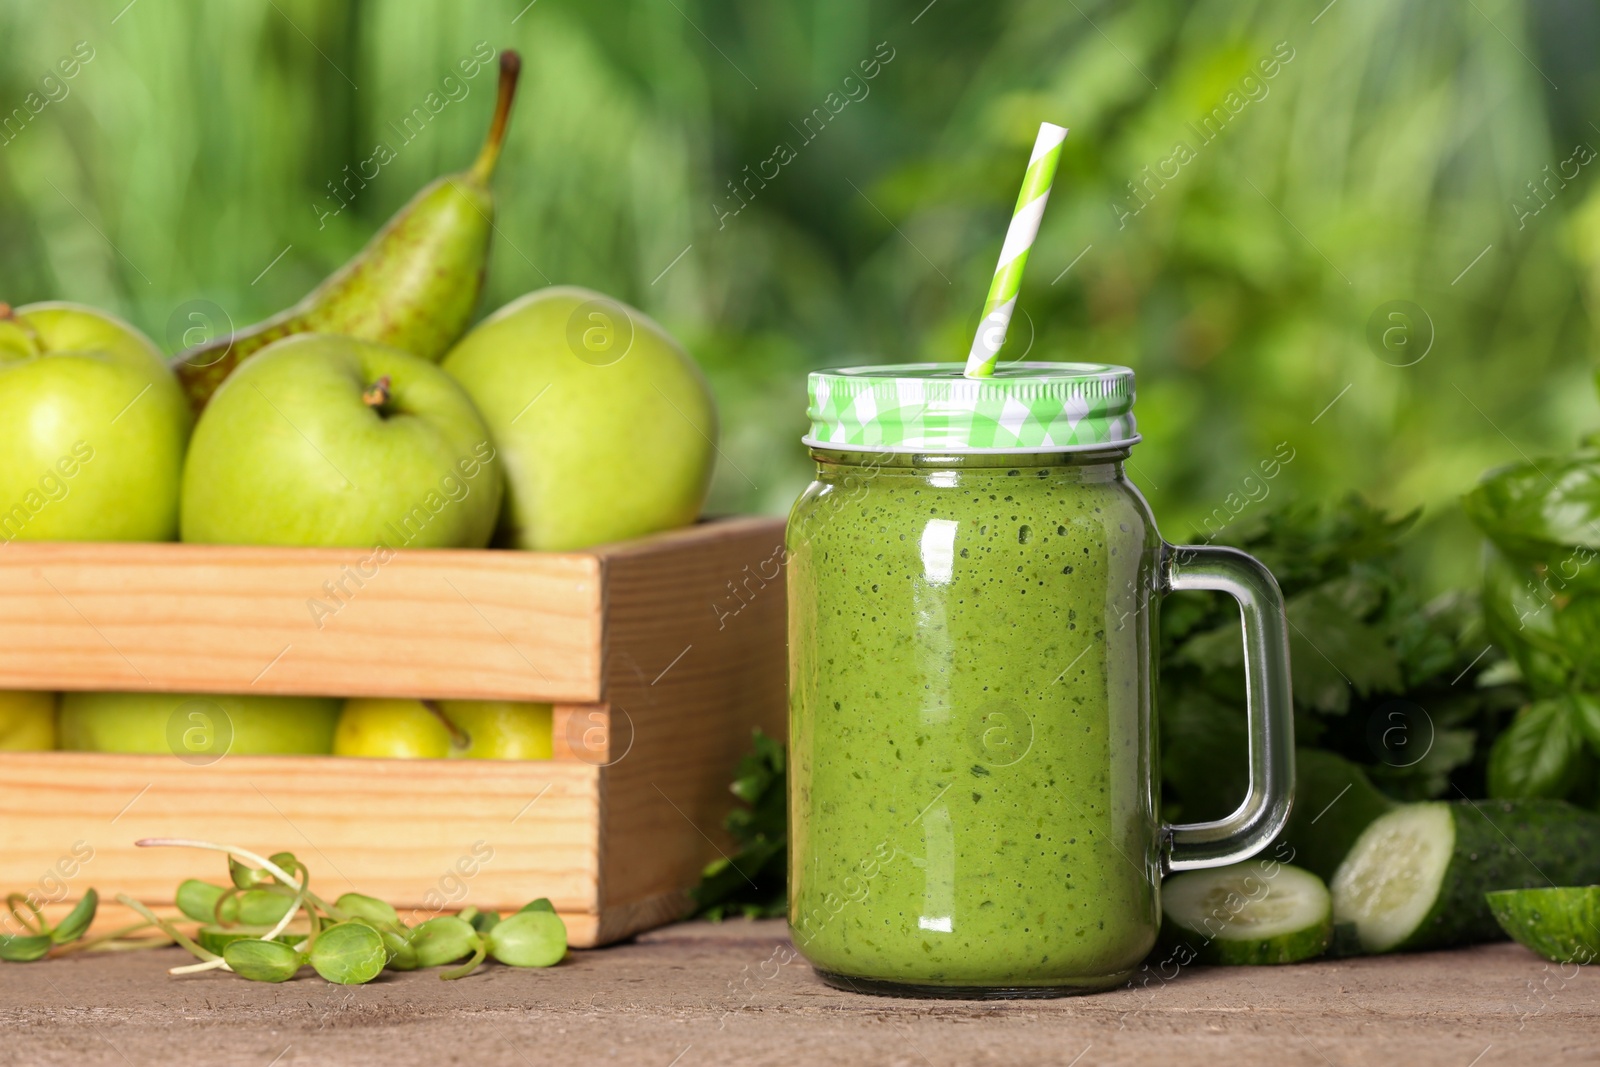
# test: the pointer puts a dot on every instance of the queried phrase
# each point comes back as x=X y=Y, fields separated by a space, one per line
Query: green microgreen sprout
x=40 y=936
x=530 y=938
x=260 y=960
x=349 y=953
x=166 y=927
x=244 y=927
x=266 y=962
x=535 y=936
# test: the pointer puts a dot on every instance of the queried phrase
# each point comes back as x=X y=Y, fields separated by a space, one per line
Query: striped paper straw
x=1024 y=228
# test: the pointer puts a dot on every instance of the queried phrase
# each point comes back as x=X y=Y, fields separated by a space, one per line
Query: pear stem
x=510 y=67
x=458 y=737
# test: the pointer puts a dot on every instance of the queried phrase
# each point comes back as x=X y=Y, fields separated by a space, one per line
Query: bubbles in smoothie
x=1024 y=534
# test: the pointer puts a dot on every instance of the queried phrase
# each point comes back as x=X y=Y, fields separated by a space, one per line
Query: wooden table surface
x=730 y=994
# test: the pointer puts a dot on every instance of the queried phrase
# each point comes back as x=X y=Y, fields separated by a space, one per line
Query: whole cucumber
x=1416 y=878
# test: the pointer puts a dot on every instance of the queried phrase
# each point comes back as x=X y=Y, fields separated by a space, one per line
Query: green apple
x=446 y=729
x=27 y=721
x=604 y=424
x=92 y=429
x=200 y=728
x=322 y=440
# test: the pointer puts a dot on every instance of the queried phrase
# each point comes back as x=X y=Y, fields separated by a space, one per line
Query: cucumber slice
x=1416 y=878
x=1248 y=913
x=1334 y=801
x=1561 y=924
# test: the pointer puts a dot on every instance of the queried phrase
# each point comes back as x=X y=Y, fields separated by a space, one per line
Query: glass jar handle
x=1268 y=703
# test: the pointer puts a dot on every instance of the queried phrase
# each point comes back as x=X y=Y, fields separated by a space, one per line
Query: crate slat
x=421 y=834
x=660 y=654
x=698 y=660
x=232 y=619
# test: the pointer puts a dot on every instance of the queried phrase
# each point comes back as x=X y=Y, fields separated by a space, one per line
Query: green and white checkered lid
x=932 y=407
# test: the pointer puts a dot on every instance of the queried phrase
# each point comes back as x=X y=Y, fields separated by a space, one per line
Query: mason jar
x=974 y=587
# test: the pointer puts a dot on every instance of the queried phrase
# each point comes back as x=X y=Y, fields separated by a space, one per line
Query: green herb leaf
x=542 y=904
x=1586 y=714
x=1540 y=754
x=1520 y=613
x=1428 y=776
x=1336 y=654
x=1535 y=511
x=753 y=882
x=1361 y=641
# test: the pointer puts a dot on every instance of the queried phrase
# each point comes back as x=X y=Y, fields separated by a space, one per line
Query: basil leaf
x=1520 y=613
x=1586 y=712
x=1543 y=511
x=1540 y=754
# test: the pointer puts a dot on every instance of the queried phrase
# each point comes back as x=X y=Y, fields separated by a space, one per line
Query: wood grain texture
x=734 y=994
x=695 y=661
x=425 y=835
x=661 y=655
x=231 y=619
x=581 y=732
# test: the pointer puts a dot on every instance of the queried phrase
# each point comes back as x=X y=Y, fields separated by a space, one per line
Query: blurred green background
x=1414 y=151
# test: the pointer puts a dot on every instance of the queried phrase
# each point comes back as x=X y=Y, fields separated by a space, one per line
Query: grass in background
x=1387 y=157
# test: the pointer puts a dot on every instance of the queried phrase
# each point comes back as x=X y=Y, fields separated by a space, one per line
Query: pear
x=453 y=729
x=27 y=722
x=199 y=728
x=413 y=287
x=604 y=424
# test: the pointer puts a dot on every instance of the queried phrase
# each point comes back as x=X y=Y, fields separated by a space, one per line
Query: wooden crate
x=660 y=655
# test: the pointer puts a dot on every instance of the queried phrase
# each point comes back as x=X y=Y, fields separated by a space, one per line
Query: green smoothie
x=971 y=801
